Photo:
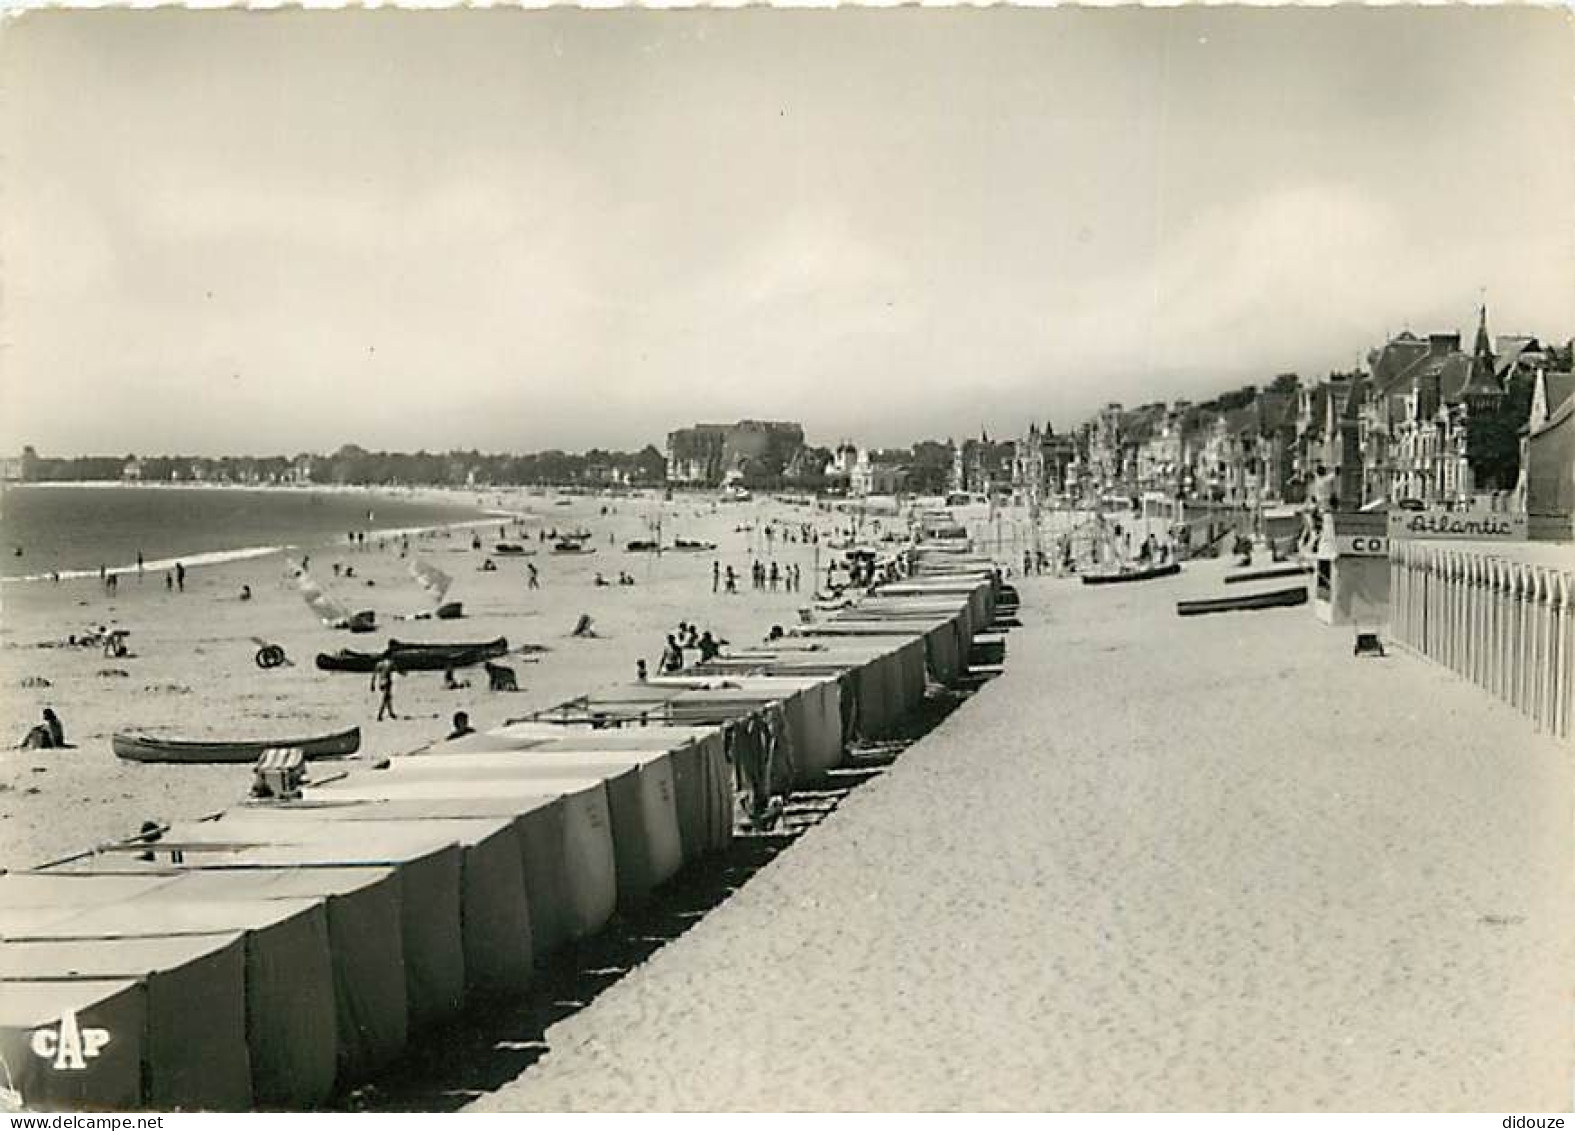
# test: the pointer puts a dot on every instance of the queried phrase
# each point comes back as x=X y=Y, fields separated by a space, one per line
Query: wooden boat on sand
x=414 y=657
x=1169 y=569
x=1289 y=570
x=148 y=748
x=1268 y=599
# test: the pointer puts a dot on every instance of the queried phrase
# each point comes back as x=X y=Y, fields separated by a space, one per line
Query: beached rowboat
x=1269 y=599
x=1167 y=570
x=1266 y=574
x=147 y=748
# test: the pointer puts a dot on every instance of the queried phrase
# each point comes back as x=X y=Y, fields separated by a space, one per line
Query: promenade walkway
x=1212 y=863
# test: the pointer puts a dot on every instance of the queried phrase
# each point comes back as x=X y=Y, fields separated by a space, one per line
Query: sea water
x=76 y=529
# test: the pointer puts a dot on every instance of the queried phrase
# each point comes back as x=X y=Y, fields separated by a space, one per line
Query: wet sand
x=1160 y=864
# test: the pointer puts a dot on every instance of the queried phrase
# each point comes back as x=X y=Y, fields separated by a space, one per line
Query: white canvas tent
x=640 y=800
x=428 y=867
x=110 y=1080
x=366 y=942
x=193 y=1058
x=494 y=916
x=585 y=894
x=291 y=1030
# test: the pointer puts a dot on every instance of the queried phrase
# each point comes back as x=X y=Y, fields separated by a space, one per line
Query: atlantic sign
x=1464 y=526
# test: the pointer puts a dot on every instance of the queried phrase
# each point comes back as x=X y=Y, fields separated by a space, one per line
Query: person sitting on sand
x=57 y=729
x=600 y=581
x=246 y=592
x=451 y=682
x=672 y=657
x=776 y=633
x=585 y=627
x=42 y=736
x=489 y=566
x=462 y=726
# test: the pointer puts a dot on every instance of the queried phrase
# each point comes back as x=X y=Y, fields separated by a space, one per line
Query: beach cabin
x=1351 y=569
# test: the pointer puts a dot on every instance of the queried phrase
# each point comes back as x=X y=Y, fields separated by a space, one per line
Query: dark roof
x=1560 y=387
x=1390 y=361
x=1454 y=375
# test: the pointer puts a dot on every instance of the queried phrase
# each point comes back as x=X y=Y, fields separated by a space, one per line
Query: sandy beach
x=1159 y=864
x=193 y=672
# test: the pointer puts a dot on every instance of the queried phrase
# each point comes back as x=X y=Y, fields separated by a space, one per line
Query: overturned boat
x=411 y=657
x=149 y=748
x=1269 y=599
x=1149 y=573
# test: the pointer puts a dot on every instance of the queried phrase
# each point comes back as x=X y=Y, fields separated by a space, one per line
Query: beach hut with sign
x=1351 y=569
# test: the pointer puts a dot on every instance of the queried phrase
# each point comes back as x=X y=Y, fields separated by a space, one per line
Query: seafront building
x=757 y=452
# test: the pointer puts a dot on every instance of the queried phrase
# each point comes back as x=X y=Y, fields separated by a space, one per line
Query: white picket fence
x=1509 y=627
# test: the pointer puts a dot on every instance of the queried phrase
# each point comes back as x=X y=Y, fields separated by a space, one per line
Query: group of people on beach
x=689 y=637
x=764 y=577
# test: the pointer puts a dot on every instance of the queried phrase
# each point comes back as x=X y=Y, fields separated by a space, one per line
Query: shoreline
x=192 y=672
x=470 y=499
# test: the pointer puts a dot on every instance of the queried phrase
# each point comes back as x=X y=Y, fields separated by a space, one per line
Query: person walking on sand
x=180 y=576
x=530 y=570
x=716 y=576
x=732 y=581
x=383 y=681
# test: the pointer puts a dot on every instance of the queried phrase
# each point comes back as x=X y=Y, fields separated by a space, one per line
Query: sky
x=271 y=232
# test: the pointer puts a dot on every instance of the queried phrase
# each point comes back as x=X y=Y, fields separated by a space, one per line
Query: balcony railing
x=1506 y=626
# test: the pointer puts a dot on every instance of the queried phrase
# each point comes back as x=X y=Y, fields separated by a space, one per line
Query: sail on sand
x=328 y=610
x=432 y=579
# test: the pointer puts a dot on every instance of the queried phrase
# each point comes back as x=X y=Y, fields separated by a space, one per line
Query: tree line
x=353 y=464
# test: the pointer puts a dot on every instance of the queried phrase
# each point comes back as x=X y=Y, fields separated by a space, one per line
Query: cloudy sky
x=260 y=232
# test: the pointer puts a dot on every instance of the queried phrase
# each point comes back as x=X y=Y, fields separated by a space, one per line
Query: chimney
x=1441 y=345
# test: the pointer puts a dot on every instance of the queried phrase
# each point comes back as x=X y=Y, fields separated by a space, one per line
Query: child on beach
x=462 y=726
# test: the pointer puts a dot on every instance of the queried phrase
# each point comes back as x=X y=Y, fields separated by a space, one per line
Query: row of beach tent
x=285 y=951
